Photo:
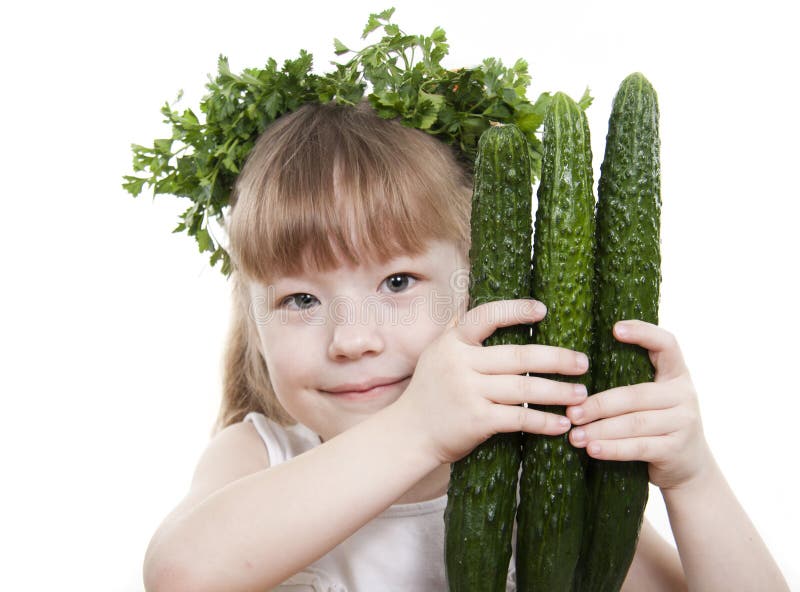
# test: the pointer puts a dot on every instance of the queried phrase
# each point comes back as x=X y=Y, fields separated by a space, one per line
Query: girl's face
x=326 y=336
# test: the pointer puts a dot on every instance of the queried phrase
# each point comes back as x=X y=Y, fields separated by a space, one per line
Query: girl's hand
x=657 y=422
x=462 y=393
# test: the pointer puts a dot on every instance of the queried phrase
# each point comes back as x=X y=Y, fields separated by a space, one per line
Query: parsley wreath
x=201 y=160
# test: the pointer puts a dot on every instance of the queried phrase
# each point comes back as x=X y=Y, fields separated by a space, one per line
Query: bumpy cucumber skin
x=552 y=486
x=628 y=279
x=482 y=495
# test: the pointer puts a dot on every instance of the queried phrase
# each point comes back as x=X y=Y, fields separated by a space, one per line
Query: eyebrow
x=400 y=261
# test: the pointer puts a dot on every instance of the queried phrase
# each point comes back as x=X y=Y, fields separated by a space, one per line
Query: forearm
x=257 y=531
x=719 y=547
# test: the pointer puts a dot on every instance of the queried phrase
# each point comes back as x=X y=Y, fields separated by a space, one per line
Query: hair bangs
x=332 y=185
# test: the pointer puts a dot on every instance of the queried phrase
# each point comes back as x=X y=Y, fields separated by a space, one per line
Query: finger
x=630 y=425
x=515 y=390
x=665 y=353
x=518 y=359
x=480 y=322
x=647 y=449
x=515 y=418
x=621 y=400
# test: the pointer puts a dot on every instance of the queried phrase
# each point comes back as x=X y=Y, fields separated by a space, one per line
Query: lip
x=366 y=389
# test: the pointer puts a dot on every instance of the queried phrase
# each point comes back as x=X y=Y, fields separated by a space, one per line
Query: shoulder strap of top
x=274 y=436
x=282 y=443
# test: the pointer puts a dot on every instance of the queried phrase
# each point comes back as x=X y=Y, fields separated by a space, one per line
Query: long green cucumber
x=482 y=495
x=552 y=486
x=628 y=279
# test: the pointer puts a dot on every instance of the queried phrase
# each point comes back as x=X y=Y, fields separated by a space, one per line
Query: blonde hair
x=326 y=184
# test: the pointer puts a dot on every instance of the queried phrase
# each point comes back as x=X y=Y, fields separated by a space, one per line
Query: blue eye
x=302 y=298
x=400 y=280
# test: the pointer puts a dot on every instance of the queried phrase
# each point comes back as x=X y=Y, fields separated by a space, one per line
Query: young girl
x=354 y=376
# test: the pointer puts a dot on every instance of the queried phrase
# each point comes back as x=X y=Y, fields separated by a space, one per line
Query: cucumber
x=552 y=486
x=628 y=278
x=482 y=495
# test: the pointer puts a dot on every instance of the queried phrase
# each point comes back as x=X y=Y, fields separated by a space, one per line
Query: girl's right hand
x=462 y=393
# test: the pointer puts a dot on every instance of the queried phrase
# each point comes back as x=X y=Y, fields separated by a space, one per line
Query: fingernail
x=583 y=362
x=594 y=448
x=536 y=306
x=564 y=422
x=621 y=330
x=580 y=389
x=577 y=413
x=578 y=434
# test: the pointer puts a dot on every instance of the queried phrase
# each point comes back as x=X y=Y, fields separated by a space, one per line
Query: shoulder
x=232 y=453
x=656 y=564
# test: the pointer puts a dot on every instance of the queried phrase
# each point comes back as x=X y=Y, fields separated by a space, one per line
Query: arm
x=656 y=566
x=253 y=530
x=659 y=423
x=258 y=530
x=720 y=548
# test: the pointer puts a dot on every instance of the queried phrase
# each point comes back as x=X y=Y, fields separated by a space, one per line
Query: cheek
x=289 y=352
x=427 y=327
x=447 y=302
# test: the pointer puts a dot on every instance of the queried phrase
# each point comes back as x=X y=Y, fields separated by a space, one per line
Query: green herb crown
x=403 y=77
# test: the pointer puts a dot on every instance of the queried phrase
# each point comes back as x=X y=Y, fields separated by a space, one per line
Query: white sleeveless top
x=400 y=550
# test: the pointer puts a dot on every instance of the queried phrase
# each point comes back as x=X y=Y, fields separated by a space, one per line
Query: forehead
x=435 y=256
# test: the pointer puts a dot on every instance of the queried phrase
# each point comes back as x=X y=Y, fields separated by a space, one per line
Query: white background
x=113 y=328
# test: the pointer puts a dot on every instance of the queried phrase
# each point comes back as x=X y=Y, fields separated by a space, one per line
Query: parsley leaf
x=402 y=78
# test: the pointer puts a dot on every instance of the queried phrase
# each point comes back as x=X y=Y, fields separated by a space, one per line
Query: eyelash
x=283 y=303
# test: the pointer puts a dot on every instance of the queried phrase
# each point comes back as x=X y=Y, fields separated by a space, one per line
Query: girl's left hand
x=657 y=422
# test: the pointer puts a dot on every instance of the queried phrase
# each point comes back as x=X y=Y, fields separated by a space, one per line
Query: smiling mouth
x=369 y=393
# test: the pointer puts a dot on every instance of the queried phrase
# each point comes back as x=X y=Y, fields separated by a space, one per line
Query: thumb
x=665 y=353
x=481 y=321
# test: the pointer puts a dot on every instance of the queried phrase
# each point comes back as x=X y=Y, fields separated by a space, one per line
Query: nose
x=354 y=333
